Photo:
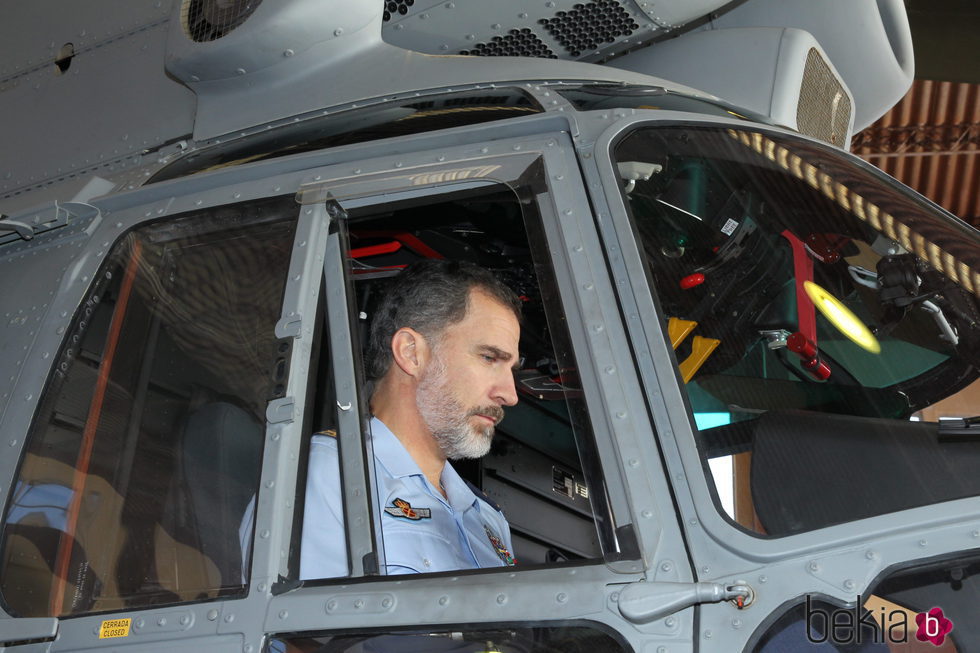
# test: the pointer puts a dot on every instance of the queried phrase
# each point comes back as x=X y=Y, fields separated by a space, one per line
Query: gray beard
x=446 y=418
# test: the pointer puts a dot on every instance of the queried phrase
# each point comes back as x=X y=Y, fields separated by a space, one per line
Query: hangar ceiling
x=931 y=139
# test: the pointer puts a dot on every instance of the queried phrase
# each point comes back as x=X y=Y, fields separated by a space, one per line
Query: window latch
x=34 y=628
x=960 y=429
x=642 y=602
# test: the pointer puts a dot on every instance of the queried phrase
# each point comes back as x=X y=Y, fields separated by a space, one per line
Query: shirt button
x=425 y=561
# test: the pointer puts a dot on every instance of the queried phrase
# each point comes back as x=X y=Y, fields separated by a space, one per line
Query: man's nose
x=506 y=392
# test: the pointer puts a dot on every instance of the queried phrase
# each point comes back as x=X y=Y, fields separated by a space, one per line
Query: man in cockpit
x=442 y=350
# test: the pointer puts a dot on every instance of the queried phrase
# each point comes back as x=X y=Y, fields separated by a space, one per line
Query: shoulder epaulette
x=483 y=495
x=329 y=432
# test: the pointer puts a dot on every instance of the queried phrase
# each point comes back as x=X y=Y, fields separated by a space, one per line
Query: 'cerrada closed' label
x=114 y=628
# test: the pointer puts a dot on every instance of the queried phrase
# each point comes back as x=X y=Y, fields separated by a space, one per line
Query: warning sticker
x=114 y=628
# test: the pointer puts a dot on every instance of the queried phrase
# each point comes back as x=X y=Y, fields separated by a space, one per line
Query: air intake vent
x=209 y=20
x=517 y=43
x=393 y=7
x=824 y=109
x=590 y=25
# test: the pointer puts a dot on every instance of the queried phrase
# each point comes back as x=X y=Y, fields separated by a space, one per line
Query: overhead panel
x=555 y=29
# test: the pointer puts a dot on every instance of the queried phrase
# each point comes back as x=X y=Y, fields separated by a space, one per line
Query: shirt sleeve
x=323 y=550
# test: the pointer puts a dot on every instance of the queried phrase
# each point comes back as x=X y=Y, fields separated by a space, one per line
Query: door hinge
x=280 y=410
x=290 y=326
x=27 y=225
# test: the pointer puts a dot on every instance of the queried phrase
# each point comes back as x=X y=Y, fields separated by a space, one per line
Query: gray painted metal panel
x=277 y=491
x=357 y=460
x=221 y=644
x=304 y=84
x=21 y=630
x=89 y=119
x=438 y=27
x=43 y=26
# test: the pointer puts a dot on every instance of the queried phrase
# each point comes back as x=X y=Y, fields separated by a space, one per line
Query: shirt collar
x=398 y=463
x=390 y=452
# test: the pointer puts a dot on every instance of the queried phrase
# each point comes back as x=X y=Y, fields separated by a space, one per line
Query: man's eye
x=490 y=358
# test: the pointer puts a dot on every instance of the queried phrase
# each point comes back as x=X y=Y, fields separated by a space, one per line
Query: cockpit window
x=387 y=120
x=542 y=471
x=144 y=457
x=823 y=321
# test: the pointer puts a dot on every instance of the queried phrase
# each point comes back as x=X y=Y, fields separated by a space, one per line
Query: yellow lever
x=701 y=349
x=679 y=329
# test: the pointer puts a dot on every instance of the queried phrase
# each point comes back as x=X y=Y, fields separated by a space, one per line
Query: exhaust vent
x=589 y=26
x=517 y=43
x=824 y=109
x=209 y=20
x=395 y=7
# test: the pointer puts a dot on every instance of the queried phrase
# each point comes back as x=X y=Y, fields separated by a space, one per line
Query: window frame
x=837 y=561
x=375 y=191
x=77 y=330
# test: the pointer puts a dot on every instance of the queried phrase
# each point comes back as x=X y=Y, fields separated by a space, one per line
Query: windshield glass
x=823 y=319
x=592 y=97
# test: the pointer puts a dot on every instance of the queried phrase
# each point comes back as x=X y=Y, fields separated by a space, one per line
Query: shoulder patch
x=404 y=510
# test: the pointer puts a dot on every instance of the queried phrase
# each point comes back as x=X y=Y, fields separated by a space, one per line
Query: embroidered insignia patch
x=499 y=547
x=404 y=510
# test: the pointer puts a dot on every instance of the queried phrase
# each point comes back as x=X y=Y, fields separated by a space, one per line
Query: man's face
x=470 y=378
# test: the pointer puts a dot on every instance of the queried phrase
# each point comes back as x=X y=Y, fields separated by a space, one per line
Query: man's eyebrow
x=496 y=352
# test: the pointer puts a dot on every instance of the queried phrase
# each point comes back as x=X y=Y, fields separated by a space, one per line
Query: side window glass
x=145 y=454
x=541 y=470
x=822 y=320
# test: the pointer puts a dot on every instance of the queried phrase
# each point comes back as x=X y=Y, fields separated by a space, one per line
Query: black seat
x=811 y=470
x=221 y=456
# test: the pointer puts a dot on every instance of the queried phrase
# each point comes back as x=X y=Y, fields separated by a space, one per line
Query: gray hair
x=429 y=296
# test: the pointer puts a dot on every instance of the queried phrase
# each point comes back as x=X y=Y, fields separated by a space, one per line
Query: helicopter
x=737 y=335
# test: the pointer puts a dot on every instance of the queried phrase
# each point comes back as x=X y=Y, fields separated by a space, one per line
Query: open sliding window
x=542 y=469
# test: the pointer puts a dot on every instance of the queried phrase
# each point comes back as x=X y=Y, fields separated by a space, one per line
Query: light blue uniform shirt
x=422 y=530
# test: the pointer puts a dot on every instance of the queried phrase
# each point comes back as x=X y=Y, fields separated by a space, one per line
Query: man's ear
x=409 y=350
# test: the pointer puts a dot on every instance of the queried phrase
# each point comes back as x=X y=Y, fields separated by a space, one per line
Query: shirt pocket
x=416 y=548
